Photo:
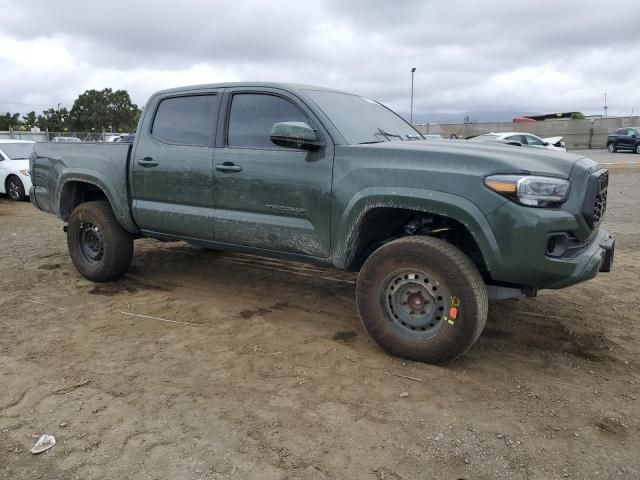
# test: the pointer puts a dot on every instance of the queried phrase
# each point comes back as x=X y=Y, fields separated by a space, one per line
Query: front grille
x=595 y=201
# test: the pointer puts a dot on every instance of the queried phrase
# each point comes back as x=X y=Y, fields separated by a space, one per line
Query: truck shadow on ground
x=514 y=327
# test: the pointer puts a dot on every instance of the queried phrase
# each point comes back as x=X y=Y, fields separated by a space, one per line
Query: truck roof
x=284 y=86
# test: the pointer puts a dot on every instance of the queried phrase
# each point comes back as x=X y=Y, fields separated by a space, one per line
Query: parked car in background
x=522 y=138
x=66 y=139
x=15 y=178
x=624 y=139
x=129 y=138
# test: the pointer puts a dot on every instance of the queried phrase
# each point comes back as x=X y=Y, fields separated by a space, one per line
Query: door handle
x=147 y=162
x=228 y=167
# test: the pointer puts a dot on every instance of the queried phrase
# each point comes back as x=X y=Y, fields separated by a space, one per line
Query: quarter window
x=185 y=120
x=531 y=140
x=252 y=116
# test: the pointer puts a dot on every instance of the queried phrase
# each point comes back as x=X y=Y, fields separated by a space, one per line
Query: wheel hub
x=91 y=242
x=414 y=302
x=14 y=189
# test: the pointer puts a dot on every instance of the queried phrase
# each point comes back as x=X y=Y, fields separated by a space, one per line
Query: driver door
x=266 y=196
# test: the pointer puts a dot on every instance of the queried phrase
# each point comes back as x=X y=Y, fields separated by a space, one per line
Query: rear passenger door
x=172 y=165
x=267 y=196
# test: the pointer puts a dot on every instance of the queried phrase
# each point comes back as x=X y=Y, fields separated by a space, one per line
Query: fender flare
x=429 y=201
x=120 y=208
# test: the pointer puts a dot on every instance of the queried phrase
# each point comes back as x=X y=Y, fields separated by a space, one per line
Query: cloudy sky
x=474 y=57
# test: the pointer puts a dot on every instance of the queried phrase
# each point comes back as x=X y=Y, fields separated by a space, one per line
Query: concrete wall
x=590 y=133
x=18 y=135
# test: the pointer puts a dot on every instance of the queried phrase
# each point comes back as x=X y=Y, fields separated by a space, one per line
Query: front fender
x=116 y=193
x=419 y=200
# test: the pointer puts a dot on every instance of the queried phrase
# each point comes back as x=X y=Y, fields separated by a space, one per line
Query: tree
x=101 y=109
x=9 y=120
x=54 y=120
x=30 y=120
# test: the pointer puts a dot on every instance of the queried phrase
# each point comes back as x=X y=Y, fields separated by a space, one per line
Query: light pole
x=413 y=71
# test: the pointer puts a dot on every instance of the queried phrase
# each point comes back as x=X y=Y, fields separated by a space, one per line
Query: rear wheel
x=15 y=188
x=611 y=147
x=422 y=298
x=100 y=249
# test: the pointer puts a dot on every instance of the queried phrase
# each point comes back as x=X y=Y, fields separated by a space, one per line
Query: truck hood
x=487 y=157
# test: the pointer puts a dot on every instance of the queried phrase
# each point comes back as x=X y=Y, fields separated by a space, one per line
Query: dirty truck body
x=434 y=227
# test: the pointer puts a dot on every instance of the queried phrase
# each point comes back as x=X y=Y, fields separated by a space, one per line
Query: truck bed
x=54 y=166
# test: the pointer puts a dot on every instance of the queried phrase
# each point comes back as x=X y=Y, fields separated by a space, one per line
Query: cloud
x=470 y=56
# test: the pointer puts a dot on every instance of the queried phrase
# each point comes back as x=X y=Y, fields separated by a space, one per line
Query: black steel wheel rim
x=91 y=243
x=415 y=302
x=14 y=189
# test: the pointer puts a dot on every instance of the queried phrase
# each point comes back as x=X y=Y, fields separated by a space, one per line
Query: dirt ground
x=273 y=377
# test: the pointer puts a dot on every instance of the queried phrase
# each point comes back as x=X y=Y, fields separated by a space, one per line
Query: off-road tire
x=611 y=148
x=116 y=243
x=456 y=275
x=15 y=188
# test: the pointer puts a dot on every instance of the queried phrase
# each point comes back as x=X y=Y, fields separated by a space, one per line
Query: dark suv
x=624 y=139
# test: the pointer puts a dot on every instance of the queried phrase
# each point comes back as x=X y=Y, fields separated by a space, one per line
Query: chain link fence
x=47 y=136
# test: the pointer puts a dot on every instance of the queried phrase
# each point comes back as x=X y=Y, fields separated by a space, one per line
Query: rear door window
x=186 y=120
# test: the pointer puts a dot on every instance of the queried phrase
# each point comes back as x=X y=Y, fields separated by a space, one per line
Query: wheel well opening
x=381 y=225
x=75 y=193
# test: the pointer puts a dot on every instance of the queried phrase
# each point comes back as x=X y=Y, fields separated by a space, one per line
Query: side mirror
x=546 y=144
x=296 y=135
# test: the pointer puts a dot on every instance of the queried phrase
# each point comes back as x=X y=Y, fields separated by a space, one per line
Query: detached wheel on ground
x=100 y=249
x=15 y=188
x=421 y=298
x=611 y=148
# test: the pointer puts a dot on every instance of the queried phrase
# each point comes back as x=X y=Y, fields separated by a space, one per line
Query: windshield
x=361 y=120
x=17 y=151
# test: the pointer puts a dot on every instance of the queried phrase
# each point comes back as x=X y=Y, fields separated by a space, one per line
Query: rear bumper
x=32 y=197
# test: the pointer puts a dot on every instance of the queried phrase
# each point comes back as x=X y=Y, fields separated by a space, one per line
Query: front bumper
x=598 y=257
x=522 y=235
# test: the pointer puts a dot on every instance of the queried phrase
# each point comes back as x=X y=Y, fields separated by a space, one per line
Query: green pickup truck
x=434 y=227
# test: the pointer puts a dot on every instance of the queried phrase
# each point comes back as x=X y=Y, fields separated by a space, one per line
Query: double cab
x=434 y=227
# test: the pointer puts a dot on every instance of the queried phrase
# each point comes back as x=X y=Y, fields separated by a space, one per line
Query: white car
x=66 y=139
x=523 y=138
x=15 y=178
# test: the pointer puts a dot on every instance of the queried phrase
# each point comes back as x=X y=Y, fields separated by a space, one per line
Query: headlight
x=530 y=190
x=26 y=172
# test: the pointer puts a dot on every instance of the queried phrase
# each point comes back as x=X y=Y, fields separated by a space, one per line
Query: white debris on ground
x=45 y=442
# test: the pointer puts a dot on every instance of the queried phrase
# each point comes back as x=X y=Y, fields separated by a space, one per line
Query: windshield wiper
x=372 y=141
x=389 y=134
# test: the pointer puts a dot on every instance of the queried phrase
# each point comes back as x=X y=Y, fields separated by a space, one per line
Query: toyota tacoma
x=434 y=227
